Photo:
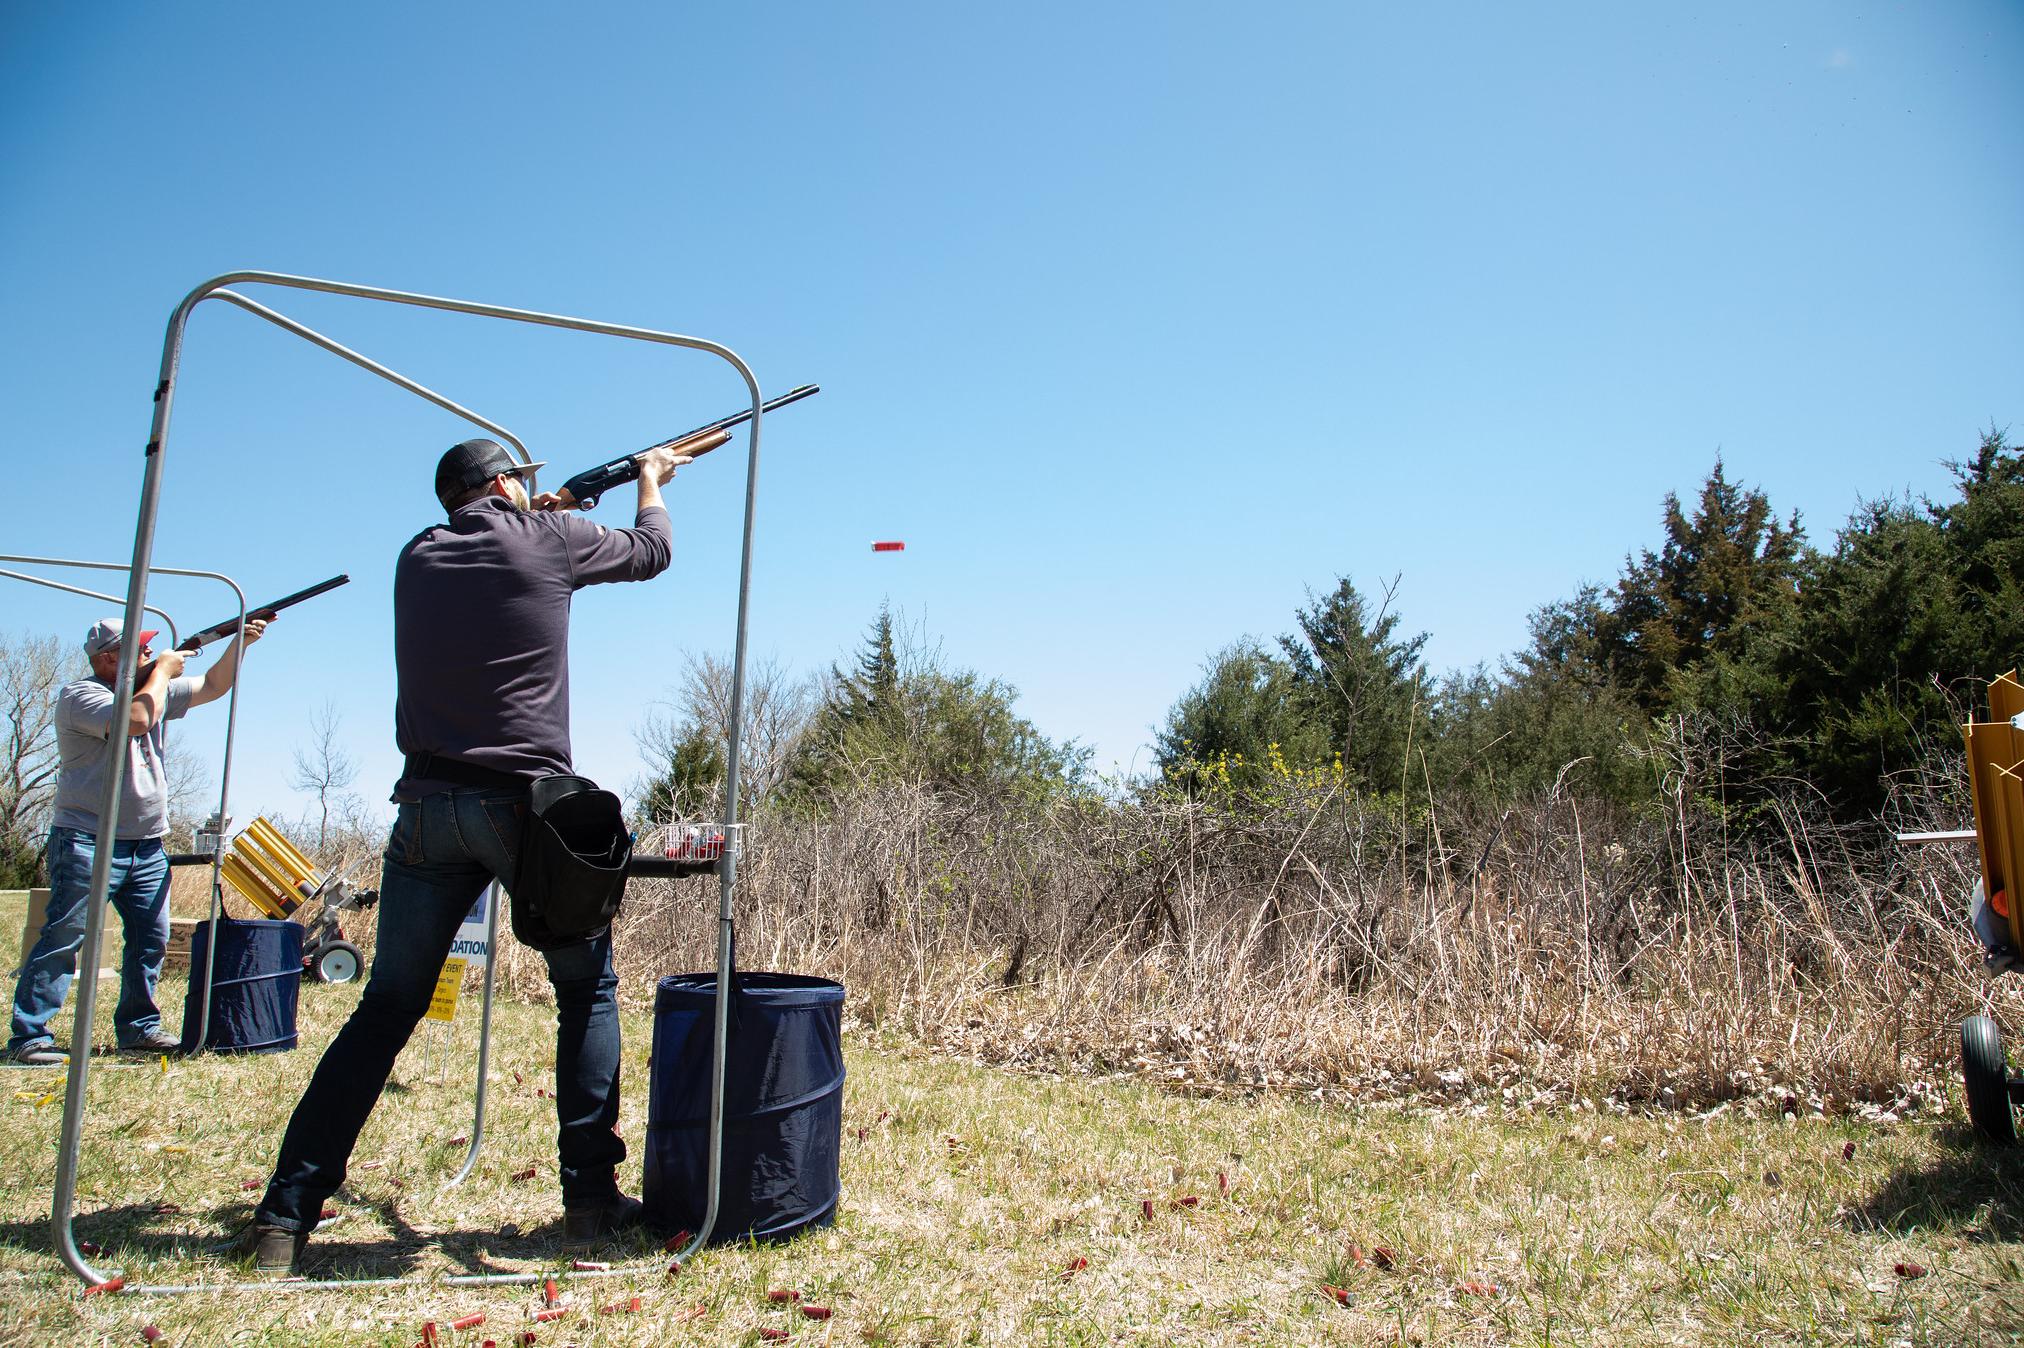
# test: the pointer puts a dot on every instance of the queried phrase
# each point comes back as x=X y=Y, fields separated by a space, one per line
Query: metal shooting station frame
x=215 y=860
x=63 y=1207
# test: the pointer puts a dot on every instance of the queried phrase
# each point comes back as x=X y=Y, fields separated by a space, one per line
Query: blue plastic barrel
x=253 y=996
x=783 y=1105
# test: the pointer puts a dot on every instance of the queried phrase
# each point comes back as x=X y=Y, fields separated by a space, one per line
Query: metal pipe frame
x=174 y=638
x=64 y=1201
x=87 y=992
x=392 y=376
x=337 y=348
x=484 y=1039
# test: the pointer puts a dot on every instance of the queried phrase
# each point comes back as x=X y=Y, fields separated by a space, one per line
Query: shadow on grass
x=132 y=1236
x=1975 y=1192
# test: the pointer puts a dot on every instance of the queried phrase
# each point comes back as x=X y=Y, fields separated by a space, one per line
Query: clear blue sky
x=1134 y=321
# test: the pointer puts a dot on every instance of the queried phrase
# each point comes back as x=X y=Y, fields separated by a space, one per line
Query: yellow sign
x=449 y=986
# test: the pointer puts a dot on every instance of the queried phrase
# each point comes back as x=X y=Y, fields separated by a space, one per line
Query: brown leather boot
x=277 y=1251
x=595 y=1221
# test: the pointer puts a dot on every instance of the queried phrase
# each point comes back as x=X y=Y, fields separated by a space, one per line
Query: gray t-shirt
x=83 y=728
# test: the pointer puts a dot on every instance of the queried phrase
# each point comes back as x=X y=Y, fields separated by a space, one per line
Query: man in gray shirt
x=139 y=884
x=481 y=654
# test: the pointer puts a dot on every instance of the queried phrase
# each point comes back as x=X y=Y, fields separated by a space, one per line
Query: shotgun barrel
x=587 y=487
x=218 y=631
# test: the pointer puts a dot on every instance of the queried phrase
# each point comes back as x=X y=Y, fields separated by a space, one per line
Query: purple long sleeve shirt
x=481 y=631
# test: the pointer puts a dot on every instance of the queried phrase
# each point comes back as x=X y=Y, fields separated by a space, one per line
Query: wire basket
x=700 y=842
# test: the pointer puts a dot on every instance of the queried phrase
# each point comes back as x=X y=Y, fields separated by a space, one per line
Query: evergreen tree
x=1916 y=608
x=1724 y=580
x=1358 y=682
x=860 y=709
x=1552 y=716
x=692 y=782
x=1247 y=704
x=872 y=691
x=901 y=718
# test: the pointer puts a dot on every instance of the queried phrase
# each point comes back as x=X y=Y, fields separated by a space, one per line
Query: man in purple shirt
x=481 y=651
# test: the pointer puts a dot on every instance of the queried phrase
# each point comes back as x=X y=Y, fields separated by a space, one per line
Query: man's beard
x=516 y=492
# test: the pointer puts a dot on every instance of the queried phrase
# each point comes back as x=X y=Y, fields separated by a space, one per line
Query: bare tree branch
x=778 y=709
x=31 y=673
x=323 y=768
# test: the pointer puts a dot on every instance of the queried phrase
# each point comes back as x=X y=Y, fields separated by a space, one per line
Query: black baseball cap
x=474 y=463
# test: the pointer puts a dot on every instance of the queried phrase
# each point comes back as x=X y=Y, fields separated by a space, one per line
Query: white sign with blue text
x=471 y=944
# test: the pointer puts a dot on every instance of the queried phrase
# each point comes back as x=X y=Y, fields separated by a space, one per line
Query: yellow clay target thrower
x=269 y=872
x=1996 y=909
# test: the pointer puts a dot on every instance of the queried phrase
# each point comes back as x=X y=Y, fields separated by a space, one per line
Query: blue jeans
x=138 y=887
x=442 y=853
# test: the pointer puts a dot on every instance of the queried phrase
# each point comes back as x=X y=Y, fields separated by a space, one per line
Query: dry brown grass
x=1555 y=952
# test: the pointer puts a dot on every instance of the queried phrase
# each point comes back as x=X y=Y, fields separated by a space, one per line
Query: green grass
x=970 y=1194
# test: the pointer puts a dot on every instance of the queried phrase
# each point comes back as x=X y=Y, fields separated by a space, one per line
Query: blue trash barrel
x=783 y=1105
x=253 y=996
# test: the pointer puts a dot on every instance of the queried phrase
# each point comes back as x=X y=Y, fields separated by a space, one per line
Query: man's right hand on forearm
x=658 y=466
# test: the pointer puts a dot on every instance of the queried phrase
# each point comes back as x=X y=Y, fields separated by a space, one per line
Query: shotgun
x=196 y=641
x=582 y=491
x=217 y=631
